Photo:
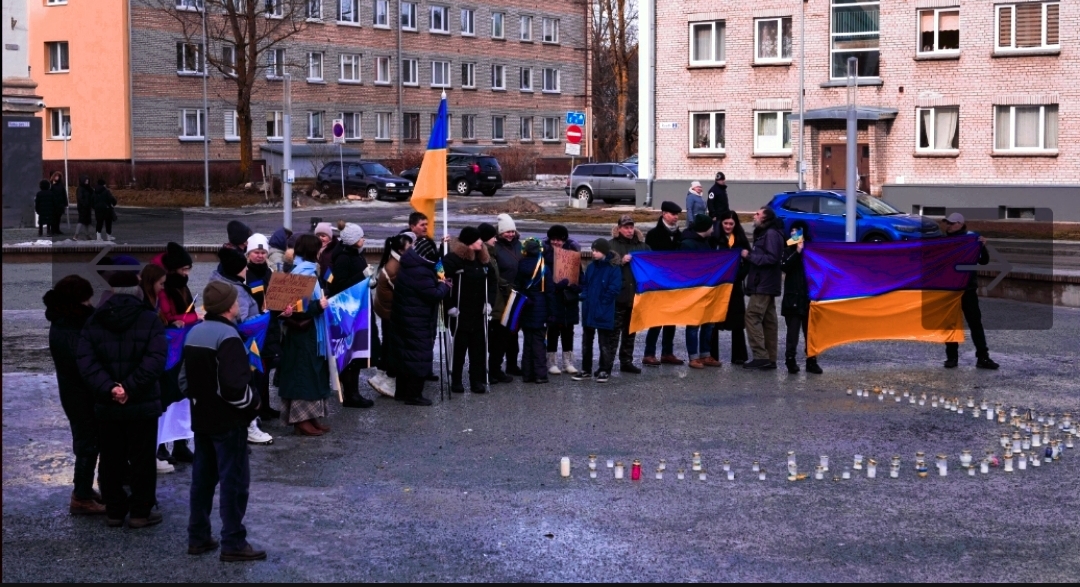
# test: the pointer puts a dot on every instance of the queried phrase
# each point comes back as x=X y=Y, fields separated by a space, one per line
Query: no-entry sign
x=573 y=134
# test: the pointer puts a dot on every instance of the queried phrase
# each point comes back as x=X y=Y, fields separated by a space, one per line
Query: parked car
x=366 y=177
x=822 y=215
x=631 y=159
x=466 y=172
x=609 y=182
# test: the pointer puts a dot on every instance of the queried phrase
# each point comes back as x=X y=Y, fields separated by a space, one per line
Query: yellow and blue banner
x=684 y=288
x=431 y=183
x=253 y=332
x=348 y=319
x=906 y=290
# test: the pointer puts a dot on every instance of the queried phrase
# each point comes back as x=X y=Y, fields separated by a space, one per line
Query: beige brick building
x=962 y=103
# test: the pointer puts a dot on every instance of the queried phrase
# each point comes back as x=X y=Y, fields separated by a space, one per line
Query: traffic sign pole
x=339 y=138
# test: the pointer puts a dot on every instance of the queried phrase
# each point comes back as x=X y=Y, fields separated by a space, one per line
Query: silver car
x=609 y=182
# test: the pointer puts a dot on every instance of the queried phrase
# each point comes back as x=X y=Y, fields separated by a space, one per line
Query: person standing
x=237 y=233
x=67 y=308
x=969 y=303
x=176 y=306
x=152 y=283
x=665 y=236
x=257 y=280
x=328 y=244
x=84 y=196
x=350 y=268
x=385 y=380
x=489 y=234
x=103 y=203
x=698 y=237
x=414 y=314
x=763 y=285
x=626 y=241
x=279 y=243
x=469 y=307
x=121 y=358
x=795 y=305
x=534 y=281
x=733 y=238
x=60 y=201
x=43 y=207
x=717 y=203
x=504 y=343
x=564 y=302
x=695 y=204
x=599 y=290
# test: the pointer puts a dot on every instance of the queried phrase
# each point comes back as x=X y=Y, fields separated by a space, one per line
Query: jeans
x=220 y=458
x=698 y=339
x=608 y=342
x=557 y=332
x=623 y=314
x=969 y=303
x=761 y=326
x=667 y=344
x=128 y=447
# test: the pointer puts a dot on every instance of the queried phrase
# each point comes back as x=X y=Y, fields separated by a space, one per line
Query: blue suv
x=822 y=215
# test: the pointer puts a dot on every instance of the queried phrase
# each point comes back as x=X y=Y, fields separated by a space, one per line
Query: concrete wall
x=743 y=196
x=22 y=169
x=1062 y=200
x=16 y=39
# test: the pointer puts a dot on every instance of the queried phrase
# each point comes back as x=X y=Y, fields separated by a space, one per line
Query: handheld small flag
x=440 y=270
x=253 y=332
x=328 y=276
x=431 y=183
x=796 y=238
x=191 y=307
x=257 y=286
x=175 y=338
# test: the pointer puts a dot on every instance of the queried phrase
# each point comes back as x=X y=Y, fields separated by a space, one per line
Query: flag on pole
x=431 y=183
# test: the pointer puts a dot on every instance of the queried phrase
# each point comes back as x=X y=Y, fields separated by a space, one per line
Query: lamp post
x=286 y=150
x=66 y=129
x=852 y=167
x=802 y=94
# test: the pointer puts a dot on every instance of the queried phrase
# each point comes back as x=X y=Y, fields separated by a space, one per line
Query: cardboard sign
x=286 y=289
x=567 y=266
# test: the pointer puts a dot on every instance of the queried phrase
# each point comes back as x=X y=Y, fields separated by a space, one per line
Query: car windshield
x=376 y=169
x=872 y=206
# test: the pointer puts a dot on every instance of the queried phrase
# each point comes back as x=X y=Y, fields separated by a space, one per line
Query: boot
x=513 y=370
x=812 y=366
x=182 y=453
x=84 y=507
x=109 y=237
x=568 y=363
x=553 y=363
x=306 y=429
x=99 y=237
x=792 y=366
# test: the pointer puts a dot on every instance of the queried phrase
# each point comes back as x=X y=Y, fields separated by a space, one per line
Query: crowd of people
x=95 y=205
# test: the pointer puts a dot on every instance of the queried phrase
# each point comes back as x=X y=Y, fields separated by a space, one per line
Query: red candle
x=635 y=470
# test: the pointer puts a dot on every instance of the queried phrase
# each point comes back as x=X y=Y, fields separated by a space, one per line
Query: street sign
x=288 y=176
x=339 y=131
x=573 y=134
x=573 y=149
x=575 y=118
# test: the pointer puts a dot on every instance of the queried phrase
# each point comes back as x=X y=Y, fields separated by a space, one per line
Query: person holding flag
x=350 y=268
x=431 y=182
x=257 y=278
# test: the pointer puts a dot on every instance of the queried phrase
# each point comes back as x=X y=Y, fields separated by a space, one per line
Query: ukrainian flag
x=253 y=331
x=906 y=290
x=431 y=183
x=684 y=288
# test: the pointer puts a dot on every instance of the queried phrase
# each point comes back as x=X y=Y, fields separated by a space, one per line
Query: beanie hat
x=324 y=228
x=218 y=297
x=626 y=219
x=73 y=289
x=232 y=261
x=506 y=223
x=43 y=184
x=425 y=247
x=469 y=235
x=558 y=232
x=670 y=208
x=351 y=234
x=175 y=257
x=602 y=245
x=720 y=176
x=257 y=242
x=532 y=247
x=121 y=278
x=238 y=233
x=487 y=231
x=701 y=223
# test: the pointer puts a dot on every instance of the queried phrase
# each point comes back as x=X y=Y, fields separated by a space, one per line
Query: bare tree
x=243 y=38
x=615 y=47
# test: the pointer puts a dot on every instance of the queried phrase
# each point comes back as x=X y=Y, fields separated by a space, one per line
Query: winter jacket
x=66 y=321
x=693 y=241
x=60 y=198
x=502 y=287
x=764 y=260
x=348 y=265
x=736 y=313
x=599 y=290
x=796 y=301
x=257 y=280
x=248 y=307
x=103 y=203
x=417 y=293
x=660 y=238
x=279 y=243
x=123 y=342
x=384 y=289
x=535 y=314
x=326 y=261
x=622 y=246
x=563 y=307
x=216 y=376
x=473 y=282
x=43 y=207
x=695 y=205
x=175 y=299
x=84 y=197
x=717 y=202
x=507 y=256
x=984 y=257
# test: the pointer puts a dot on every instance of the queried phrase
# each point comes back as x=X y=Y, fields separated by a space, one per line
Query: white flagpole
x=445 y=214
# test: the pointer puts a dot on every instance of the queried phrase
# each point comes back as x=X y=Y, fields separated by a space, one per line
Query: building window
x=440 y=74
x=194 y=5
x=408 y=73
x=188 y=58
x=551 y=81
x=382 y=70
x=498 y=21
x=440 y=19
x=349 y=11
x=275 y=8
x=350 y=68
x=191 y=123
x=468 y=75
x=468 y=22
x=275 y=64
x=59 y=123
x=526 y=79
x=1032 y=25
x=410 y=127
x=855 y=33
x=232 y=125
x=707 y=132
x=315 y=126
x=382 y=13
x=228 y=60
x=773 y=39
x=526 y=128
x=772 y=132
x=498 y=128
x=315 y=67
x=468 y=127
x=939 y=31
x=58 y=56
x=498 y=77
x=449 y=120
x=939 y=129
x=707 y=43
x=408 y=16
x=382 y=125
x=551 y=129
x=312 y=9
x=551 y=30
x=275 y=128
x=1026 y=128
x=526 y=28
x=351 y=121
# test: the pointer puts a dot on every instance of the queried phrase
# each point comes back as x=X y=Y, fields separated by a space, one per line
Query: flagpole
x=445 y=214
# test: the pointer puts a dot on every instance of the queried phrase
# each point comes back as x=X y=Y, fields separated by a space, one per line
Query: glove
x=453 y=313
x=373 y=282
x=369 y=271
x=487 y=309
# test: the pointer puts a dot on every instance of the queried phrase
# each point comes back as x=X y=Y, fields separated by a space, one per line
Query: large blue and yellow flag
x=431 y=183
x=175 y=338
x=907 y=290
x=684 y=288
x=253 y=332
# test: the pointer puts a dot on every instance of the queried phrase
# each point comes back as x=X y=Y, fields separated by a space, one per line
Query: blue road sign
x=575 y=118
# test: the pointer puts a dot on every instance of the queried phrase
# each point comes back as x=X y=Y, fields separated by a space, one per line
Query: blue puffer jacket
x=599 y=290
x=539 y=295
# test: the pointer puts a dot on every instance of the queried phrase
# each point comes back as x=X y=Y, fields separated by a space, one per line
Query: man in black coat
x=665 y=236
x=469 y=307
x=969 y=303
x=43 y=207
x=717 y=201
x=349 y=268
x=121 y=358
x=763 y=285
x=504 y=342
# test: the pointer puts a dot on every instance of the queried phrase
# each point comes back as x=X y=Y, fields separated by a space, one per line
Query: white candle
x=701 y=475
x=755 y=467
x=730 y=475
x=984 y=467
x=819 y=473
x=610 y=463
x=871 y=469
x=659 y=474
x=680 y=475
x=564 y=467
x=971 y=471
x=1036 y=439
x=824 y=462
x=1021 y=463
x=1035 y=460
x=592 y=473
x=618 y=470
x=761 y=475
x=847 y=474
x=858 y=463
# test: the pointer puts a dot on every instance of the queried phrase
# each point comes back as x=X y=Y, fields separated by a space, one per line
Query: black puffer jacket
x=66 y=321
x=123 y=342
x=84 y=197
x=717 y=201
x=736 y=313
x=348 y=265
x=796 y=301
x=764 y=260
x=660 y=238
x=471 y=286
x=415 y=311
x=507 y=257
x=564 y=308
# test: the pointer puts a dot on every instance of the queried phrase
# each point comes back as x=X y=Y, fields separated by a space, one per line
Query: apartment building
x=961 y=103
x=125 y=71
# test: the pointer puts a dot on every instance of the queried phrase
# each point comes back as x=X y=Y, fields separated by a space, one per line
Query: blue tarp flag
x=175 y=337
x=254 y=334
x=349 y=326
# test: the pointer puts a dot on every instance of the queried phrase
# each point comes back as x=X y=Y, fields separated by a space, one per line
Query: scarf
x=308 y=268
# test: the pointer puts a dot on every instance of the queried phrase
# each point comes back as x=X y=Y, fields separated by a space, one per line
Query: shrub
x=518 y=163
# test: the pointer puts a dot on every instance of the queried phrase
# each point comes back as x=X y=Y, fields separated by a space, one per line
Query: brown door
x=834 y=166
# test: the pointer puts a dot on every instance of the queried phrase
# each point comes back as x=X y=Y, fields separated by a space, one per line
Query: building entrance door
x=834 y=166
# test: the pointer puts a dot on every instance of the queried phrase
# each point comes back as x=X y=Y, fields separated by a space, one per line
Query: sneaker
x=629 y=368
x=203 y=547
x=163 y=455
x=671 y=360
x=756 y=364
x=256 y=436
x=650 y=362
x=581 y=376
x=602 y=377
x=247 y=554
x=164 y=467
x=768 y=366
x=382 y=384
x=151 y=520
x=951 y=363
x=986 y=363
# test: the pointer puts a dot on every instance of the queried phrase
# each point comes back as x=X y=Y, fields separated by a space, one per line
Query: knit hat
x=238 y=233
x=324 y=228
x=506 y=223
x=218 y=297
x=121 y=278
x=955 y=218
x=352 y=234
x=532 y=247
x=73 y=289
x=601 y=244
x=257 y=242
x=232 y=261
x=175 y=257
x=487 y=231
x=695 y=184
x=671 y=208
x=702 y=223
x=469 y=235
x=558 y=232
x=425 y=247
x=626 y=219
x=720 y=176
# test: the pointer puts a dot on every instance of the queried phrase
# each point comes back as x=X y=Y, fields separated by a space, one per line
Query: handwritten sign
x=285 y=289
x=567 y=266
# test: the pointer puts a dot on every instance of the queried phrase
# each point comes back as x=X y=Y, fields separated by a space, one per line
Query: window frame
x=525 y=129
x=385 y=14
x=355 y=119
x=714 y=26
x=383 y=76
x=182 y=5
x=354 y=20
x=228 y=57
x=235 y=136
x=557 y=89
x=383 y=124
x=779 y=58
x=553 y=24
x=314 y=56
x=277 y=8
x=59 y=52
x=356 y=59
x=309 y=14
x=833 y=5
x=521 y=79
x=468 y=82
x=498 y=121
x=1012 y=48
x=275 y=65
x=445 y=11
x=413 y=65
x=934 y=51
x=468 y=127
x=200 y=59
x=931 y=132
x=500 y=17
x=555 y=125
x=411 y=13
x=784 y=128
x=279 y=125
x=200 y=121
x=501 y=77
x=710 y=150
x=410 y=127
x=525 y=26
x=316 y=132
x=1012 y=149
x=449 y=124
x=64 y=114
x=445 y=67
x=470 y=30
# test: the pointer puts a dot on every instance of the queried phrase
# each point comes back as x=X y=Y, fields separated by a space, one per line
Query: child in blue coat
x=600 y=288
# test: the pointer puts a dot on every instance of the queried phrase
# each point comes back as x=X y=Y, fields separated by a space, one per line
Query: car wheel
x=584 y=193
x=462 y=187
x=875 y=238
x=489 y=193
x=373 y=192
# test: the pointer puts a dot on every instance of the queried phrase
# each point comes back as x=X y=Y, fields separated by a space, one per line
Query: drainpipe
x=647 y=107
x=130 y=95
x=400 y=88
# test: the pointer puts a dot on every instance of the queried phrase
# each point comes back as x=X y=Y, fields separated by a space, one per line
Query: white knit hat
x=324 y=228
x=352 y=234
x=256 y=242
x=506 y=223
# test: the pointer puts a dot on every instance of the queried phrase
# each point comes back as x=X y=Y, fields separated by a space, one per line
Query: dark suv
x=466 y=172
x=366 y=177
